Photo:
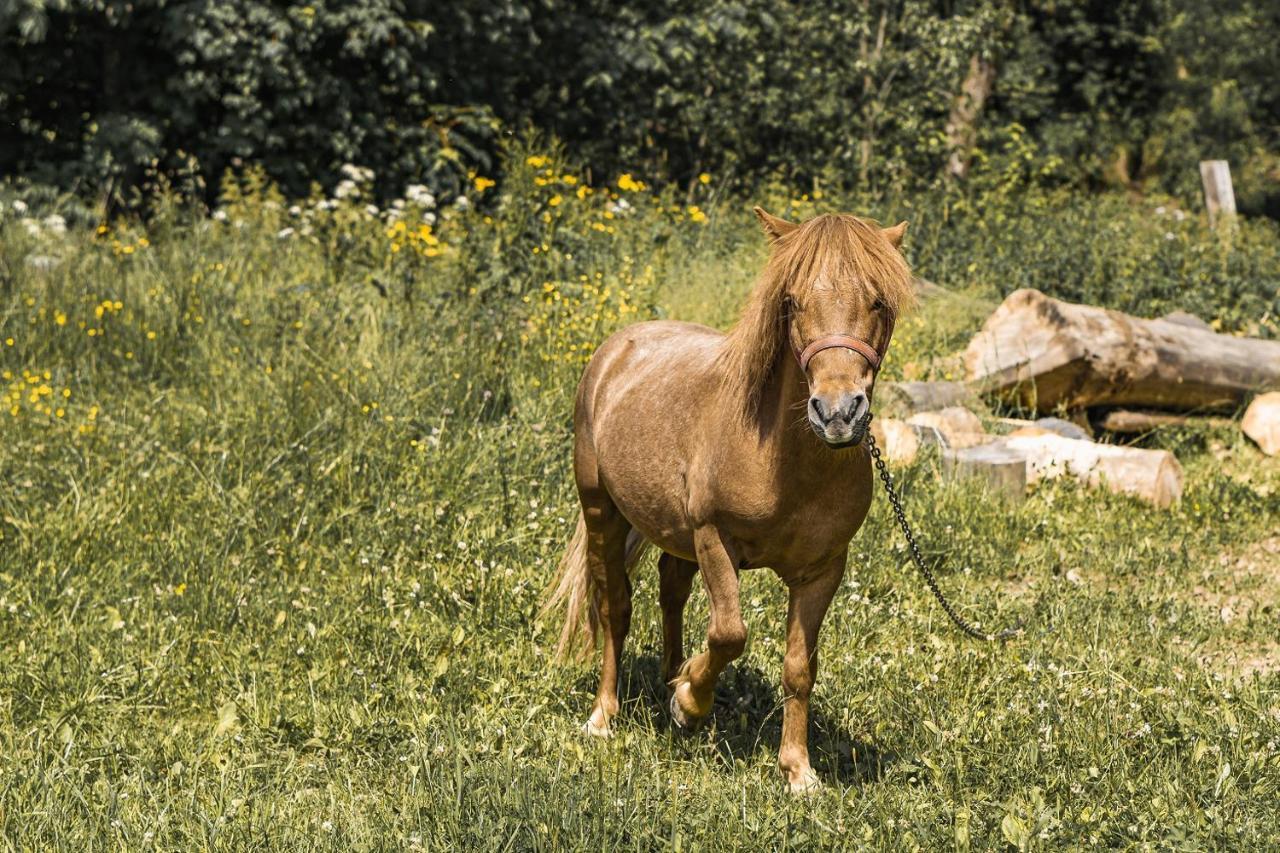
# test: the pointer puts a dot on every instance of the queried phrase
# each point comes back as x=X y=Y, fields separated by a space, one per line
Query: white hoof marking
x=807 y=783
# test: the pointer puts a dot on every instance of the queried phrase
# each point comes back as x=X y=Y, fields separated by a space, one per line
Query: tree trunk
x=1044 y=354
x=965 y=110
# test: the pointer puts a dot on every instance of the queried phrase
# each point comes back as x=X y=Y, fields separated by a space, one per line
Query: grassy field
x=281 y=490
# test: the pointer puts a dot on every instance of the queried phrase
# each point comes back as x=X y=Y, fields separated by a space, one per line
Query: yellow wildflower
x=630 y=184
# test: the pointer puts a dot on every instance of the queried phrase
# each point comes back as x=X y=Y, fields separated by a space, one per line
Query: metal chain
x=887 y=479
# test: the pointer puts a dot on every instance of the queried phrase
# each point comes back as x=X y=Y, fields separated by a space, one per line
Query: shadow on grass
x=745 y=721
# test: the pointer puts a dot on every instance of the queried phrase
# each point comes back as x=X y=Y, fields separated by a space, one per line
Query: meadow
x=281 y=488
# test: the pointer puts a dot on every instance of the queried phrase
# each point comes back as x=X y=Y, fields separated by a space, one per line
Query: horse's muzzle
x=842 y=424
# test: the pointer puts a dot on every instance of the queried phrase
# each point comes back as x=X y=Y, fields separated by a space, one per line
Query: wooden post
x=1219 y=197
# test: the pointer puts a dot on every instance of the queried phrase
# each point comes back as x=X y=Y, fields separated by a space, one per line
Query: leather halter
x=858 y=345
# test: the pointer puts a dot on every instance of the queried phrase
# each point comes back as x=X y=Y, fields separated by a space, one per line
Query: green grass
x=272 y=579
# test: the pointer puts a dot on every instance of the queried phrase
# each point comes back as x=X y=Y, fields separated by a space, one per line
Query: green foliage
x=152 y=90
x=280 y=499
x=856 y=96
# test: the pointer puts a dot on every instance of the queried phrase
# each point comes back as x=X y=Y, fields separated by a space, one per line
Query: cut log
x=901 y=441
x=1262 y=423
x=1131 y=422
x=908 y=398
x=1043 y=354
x=1041 y=426
x=898 y=441
x=1151 y=475
x=958 y=426
x=1004 y=469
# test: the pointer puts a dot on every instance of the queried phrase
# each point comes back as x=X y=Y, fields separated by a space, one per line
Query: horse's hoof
x=805 y=784
x=593 y=729
x=683 y=721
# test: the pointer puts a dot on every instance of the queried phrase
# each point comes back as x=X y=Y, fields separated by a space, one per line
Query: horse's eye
x=878 y=305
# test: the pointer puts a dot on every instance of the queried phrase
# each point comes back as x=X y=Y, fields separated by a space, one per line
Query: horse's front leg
x=726 y=632
x=805 y=610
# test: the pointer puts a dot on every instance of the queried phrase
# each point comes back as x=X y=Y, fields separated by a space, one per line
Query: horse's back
x=646 y=363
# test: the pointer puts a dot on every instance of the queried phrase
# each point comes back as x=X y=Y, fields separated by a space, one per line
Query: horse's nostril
x=853 y=406
x=819 y=411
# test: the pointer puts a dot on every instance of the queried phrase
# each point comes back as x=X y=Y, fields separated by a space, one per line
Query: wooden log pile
x=1045 y=354
x=1105 y=370
x=1030 y=454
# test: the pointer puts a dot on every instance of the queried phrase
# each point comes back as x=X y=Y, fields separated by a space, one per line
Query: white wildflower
x=420 y=195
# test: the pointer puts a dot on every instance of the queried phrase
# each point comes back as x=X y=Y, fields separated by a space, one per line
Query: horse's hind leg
x=606 y=549
x=675 y=582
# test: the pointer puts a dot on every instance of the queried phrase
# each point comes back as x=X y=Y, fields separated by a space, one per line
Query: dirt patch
x=1244 y=583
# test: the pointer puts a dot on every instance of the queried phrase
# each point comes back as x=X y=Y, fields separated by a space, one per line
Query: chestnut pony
x=734 y=451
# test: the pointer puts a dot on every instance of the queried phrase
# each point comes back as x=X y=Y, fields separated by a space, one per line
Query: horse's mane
x=848 y=250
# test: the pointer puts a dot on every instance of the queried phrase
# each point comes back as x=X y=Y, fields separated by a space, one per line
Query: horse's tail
x=578 y=592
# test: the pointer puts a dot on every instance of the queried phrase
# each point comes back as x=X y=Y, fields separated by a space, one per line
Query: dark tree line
x=99 y=96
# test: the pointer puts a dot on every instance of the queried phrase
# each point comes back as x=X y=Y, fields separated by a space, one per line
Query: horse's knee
x=729 y=640
x=797 y=679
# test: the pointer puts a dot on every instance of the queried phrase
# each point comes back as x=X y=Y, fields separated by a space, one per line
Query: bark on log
x=1262 y=423
x=1042 y=353
x=1130 y=422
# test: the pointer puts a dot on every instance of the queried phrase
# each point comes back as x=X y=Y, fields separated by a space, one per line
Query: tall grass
x=272 y=541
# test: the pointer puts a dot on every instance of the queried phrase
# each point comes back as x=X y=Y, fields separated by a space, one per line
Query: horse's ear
x=774 y=227
x=895 y=233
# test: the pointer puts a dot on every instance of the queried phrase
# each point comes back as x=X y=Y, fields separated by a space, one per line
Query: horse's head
x=842 y=283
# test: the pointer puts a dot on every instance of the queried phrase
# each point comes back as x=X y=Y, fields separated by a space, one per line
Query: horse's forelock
x=842 y=248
